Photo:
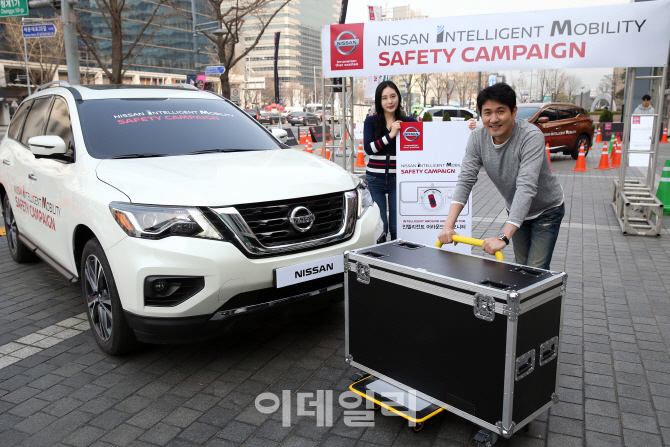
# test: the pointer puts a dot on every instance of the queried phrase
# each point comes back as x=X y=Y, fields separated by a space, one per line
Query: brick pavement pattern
x=614 y=381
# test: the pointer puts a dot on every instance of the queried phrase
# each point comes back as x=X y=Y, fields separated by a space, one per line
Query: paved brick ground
x=615 y=381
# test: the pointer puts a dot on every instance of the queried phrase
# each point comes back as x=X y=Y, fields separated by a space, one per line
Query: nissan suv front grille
x=266 y=229
x=273 y=227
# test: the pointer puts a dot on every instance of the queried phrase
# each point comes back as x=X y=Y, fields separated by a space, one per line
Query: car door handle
x=5 y=161
x=32 y=176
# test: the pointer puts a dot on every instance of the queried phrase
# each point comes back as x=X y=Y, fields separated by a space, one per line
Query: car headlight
x=157 y=222
x=364 y=198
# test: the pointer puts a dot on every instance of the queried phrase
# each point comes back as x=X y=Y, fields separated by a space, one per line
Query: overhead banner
x=427 y=173
x=624 y=35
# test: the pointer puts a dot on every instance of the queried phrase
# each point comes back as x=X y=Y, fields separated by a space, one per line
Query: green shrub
x=427 y=116
x=606 y=117
x=446 y=116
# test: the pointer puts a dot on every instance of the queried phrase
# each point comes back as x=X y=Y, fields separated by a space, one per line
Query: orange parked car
x=565 y=126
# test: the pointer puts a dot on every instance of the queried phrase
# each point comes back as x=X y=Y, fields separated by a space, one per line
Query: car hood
x=224 y=179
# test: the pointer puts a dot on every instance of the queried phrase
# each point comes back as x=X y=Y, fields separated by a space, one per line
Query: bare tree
x=424 y=81
x=118 y=16
x=542 y=81
x=556 y=83
x=520 y=85
x=606 y=84
x=572 y=84
x=233 y=14
x=465 y=85
x=47 y=52
x=409 y=81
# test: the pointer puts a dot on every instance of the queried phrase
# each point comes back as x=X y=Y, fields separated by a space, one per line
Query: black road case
x=475 y=336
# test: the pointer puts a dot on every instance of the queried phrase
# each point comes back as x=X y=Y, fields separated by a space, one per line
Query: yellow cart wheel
x=418 y=427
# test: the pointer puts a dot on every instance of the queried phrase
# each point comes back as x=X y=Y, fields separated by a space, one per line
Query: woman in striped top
x=379 y=134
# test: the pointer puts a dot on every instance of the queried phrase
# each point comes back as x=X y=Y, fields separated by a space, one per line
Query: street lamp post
x=314 y=84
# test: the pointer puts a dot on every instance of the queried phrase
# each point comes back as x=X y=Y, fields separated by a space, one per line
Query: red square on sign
x=411 y=136
x=346 y=46
x=636 y=120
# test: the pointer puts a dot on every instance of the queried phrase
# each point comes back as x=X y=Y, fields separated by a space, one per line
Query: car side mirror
x=48 y=146
x=543 y=120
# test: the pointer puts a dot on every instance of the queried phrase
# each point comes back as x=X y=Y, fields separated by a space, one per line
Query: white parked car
x=180 y=215
x=455 y=113
x=280 y=134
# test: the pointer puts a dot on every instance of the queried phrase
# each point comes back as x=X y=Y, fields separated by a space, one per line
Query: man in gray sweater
x=512 y=152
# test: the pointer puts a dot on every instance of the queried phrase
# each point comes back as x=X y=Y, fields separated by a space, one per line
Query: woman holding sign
x=379 y=140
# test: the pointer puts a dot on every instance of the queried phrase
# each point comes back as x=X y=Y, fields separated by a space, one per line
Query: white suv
x=181 y=214
x=455 y=113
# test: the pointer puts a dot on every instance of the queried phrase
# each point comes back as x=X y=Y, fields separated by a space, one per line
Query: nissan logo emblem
x=344 y=40
x=301 y=218
x=411 y=133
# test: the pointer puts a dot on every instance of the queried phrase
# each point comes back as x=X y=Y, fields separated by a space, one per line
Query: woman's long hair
x=380 y=121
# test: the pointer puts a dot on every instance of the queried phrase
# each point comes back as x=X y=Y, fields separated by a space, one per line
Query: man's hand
x=492 y=245
x=446 y=236
x=395 y=128
x=472 y=124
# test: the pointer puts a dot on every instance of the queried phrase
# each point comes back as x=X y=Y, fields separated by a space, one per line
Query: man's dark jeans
x=534 y=241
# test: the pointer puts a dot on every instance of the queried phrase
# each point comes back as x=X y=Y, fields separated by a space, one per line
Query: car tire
x=105 y=313
x=292 y=124
x=583 y=138
x=19 y=251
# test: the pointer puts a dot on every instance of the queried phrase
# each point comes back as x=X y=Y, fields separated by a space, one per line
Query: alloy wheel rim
x=97 y=297
x=11 y=228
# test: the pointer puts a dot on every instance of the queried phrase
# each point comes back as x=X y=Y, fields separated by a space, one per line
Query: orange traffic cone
x=599 y=138
x=302 y=137
x=581 y=160
x=309 y=147
x=664 y=138
x=604 y=162
x=360 y=160
x=616 y=158
x=549 y=157
x=328 y=153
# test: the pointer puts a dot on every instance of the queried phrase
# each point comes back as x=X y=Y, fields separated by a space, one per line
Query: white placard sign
x=641 y=130
x=623 y=35
x=428 y=160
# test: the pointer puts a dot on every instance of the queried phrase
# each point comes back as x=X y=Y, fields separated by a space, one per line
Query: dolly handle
x=471 y=241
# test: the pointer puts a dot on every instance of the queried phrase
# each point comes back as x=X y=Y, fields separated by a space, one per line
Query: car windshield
x=298 y=114
x=526 y=113
x=168 y=126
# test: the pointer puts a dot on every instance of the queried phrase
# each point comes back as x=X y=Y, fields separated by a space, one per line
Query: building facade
x=299 y=61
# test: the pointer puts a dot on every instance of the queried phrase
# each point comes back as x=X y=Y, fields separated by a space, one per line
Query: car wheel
x=575 y=150
x=20 y=253
x=292 y=124
x=105 y=313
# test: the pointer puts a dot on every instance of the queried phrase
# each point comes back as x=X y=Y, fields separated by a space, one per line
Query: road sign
x=213 y=70
x=234 y=94
x=13 y=8
x=42 y=30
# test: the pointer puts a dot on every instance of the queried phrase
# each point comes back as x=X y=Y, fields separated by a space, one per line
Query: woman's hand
x=395 y=128
x=446 y=236
x=472 y=124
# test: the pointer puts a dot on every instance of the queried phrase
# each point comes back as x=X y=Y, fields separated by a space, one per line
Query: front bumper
x=242 y=311
x=227 y=272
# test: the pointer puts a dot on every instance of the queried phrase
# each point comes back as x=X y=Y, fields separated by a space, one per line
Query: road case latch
x=363 y=273
x=525 y=365
x=485 y=307
x=548 y=351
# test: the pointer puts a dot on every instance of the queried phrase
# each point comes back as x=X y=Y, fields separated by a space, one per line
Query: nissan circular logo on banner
x=346 y=42
x=411 y=134
x=346 y=46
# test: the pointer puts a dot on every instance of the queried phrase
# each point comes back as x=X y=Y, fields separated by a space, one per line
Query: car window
x=570 y=112
x=59 y=123
x=35 y=119
x=549 y=113
x=17 y=121
x=170 y=126
x=526 y=113
x=435 y=112
x=465 y=114
x=565 y=113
